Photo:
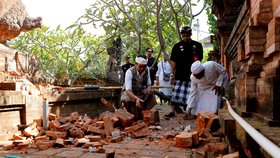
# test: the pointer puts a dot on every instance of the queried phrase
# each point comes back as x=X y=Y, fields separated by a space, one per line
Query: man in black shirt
x=183 y=55
x=126 y=66
x=151 y=60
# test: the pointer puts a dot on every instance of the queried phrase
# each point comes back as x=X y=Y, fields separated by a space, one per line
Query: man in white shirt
x=163 y=76
x=138 y=94
x=208 y=81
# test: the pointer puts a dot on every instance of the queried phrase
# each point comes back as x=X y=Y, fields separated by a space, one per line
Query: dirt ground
x=154 y=145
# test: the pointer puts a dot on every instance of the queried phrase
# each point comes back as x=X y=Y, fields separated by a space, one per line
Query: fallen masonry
x=92 y=134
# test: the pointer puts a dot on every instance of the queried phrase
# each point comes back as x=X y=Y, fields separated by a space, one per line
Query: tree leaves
x=62 y=53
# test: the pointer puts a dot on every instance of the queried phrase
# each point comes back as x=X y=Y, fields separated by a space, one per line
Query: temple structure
x=249 y=31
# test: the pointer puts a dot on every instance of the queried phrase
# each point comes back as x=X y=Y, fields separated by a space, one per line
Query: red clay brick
x=52 y=116
x=79 y=133
x=59 y=142
x=108 y=124
x=151 y=116
x=125 y=117
x=56 y=134
x=65 y=127
x=100 y=124
x=18 y=137
x=184 y=139
x=93 y=138
x=54 y=124
x=94 y=129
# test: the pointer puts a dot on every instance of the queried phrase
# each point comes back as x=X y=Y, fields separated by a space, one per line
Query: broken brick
x=8 y=147
x=195 y=137
x=151 y=117
x=48 y=143
x=54 y=124
x=74 y=116
x=52 y=116
x=117 y=139
x=94 y=129
x=59 y=142
x=56 y=134
x=23 y=146
x=108 y=125
x=143 y=132
x=125 y=117
x=93 y=138
x=107 y=103
x=184 y=139
x=18 y=137
x=68 y=142
x=42 y=147
x=91 y=144
x=65 y=127
x=100 y=149
x=115 y=121
x=100 y=124
x=62 y=120
x=41 y=138
x=81 y=142
x=79 y=133
x=215 y=147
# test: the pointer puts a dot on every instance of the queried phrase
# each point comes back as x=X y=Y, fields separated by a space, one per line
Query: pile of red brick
x=83 y=131
x=92 y=134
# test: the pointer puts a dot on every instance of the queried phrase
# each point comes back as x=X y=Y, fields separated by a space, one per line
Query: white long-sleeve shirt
x=214 y=75
x=166 y=68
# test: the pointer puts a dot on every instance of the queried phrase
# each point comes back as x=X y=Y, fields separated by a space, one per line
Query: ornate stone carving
x=113 y=72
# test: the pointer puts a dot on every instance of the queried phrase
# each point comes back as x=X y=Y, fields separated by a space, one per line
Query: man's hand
x=139 y=102
x=218 y=90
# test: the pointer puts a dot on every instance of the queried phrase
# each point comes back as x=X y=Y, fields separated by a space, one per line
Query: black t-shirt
x=184 y=54
x=125 y=67
x=153 y=70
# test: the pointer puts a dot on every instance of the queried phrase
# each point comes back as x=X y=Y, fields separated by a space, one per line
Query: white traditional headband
x=141 y=60
x=197 y=67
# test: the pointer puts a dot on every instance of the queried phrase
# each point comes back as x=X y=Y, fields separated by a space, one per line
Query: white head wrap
x=197 y=67
x=141 y=60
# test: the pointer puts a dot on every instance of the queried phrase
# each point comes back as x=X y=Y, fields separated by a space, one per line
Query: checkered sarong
x=180 y=92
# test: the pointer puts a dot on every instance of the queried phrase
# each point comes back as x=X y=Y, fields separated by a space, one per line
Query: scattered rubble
x=92 y=133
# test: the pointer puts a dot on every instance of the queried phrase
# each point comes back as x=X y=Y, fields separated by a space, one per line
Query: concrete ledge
x=227 y=122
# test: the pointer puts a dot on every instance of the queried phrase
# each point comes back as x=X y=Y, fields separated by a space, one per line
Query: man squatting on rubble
x=208 y=82
x=138 y=94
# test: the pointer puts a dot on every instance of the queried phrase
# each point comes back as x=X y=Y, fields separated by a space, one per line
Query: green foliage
x=64 y=53
x=136 y=22
x=212 y=22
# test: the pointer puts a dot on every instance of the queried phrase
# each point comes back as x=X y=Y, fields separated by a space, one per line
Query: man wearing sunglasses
x=138 y=94
x=183 y=54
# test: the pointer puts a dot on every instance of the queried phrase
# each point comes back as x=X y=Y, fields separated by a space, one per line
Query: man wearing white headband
x=208 y=81
x=138 y=93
